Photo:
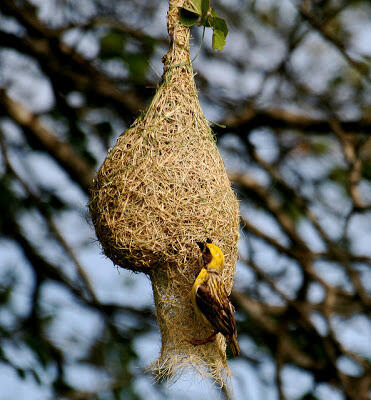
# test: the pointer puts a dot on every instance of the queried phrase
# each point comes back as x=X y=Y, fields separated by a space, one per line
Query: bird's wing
x=213 y=302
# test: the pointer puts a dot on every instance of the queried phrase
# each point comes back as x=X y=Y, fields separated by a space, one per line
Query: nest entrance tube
x=161 y=189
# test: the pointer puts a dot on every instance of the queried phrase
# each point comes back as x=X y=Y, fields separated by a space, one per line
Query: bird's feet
x=198 y=342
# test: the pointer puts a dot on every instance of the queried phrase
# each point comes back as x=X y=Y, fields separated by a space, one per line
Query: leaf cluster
x=199 y=12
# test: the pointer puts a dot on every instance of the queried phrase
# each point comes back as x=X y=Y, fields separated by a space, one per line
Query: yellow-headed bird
x=210 y=300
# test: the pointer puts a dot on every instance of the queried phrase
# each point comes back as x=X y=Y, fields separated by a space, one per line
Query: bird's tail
x=234 y=346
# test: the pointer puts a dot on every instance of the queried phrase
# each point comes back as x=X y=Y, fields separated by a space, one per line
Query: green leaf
x=218 y=39
x=206 y=21
x=220 y=32
x=191 y=12
x=188 y=18
x=209 y=20
x=205 y=5
x=220 y=25
x=194 y=6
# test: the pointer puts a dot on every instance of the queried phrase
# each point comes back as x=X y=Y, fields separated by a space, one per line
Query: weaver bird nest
x=161 y=189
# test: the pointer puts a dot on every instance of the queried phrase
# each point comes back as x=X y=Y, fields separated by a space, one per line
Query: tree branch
x=77 y=73
x=362 y=67
x=251 y=118
x=78 y=169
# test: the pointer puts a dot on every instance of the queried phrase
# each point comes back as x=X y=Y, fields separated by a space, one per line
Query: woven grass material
x=162 y=188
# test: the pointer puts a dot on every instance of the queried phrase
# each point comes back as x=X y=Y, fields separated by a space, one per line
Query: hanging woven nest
x=161 y=189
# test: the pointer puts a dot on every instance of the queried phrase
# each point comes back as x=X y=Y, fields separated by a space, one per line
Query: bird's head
x=212 y=256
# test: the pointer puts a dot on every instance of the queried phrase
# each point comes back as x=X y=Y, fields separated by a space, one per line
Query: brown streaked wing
x=213 y=302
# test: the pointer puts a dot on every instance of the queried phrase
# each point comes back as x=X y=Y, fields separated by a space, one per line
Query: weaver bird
x=210 y=300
